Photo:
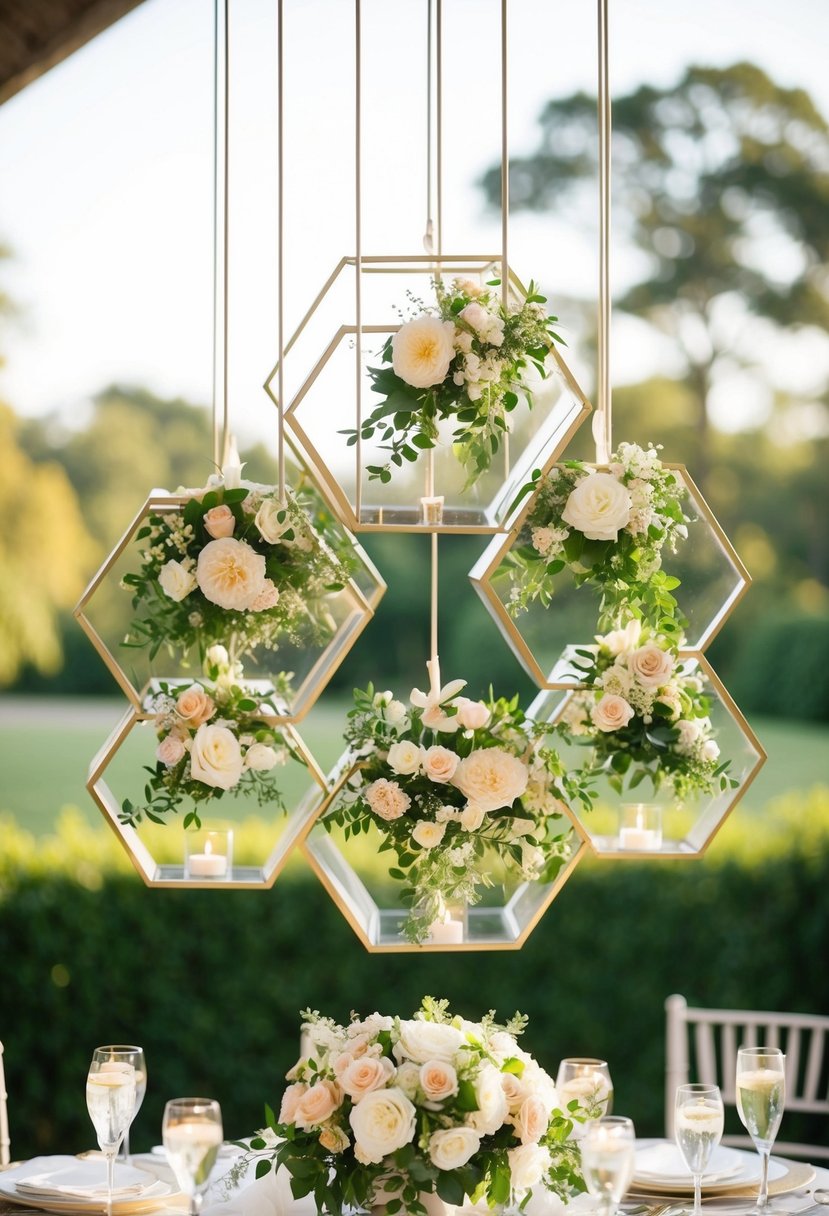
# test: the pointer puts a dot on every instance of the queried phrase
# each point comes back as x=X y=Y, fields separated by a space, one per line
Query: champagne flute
x=698 y=1125
x=110 y=1100
x=140 y=1065
x=588 y=1081
x=607 y=1159
x=192 y=1135
x=761 y=1094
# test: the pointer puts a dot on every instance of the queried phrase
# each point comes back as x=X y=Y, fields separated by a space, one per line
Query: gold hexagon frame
x=543 y=652
x=360 y=598
x=367 y=507
x=298 y=824
x=700 y=825
x=488 y=927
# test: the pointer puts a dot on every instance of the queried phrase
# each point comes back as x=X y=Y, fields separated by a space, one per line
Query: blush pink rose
x=170 y=751
x=611 y=712
x=194 y=706
x=318 y=1103
x=290 y=1101
x=364 y=1075
x=438 y=1080
x=219 y=521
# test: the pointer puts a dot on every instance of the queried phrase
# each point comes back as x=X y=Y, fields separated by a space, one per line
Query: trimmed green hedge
x=211 y=983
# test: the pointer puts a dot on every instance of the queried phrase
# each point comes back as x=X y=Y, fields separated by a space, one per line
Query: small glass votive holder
x=449 y=929
x=640 y=827
x=431 y=509
x=208 y=853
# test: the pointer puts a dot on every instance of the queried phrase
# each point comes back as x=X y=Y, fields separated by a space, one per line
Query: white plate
x=157 y=1195
x=664 y=1163
x=747 y=1175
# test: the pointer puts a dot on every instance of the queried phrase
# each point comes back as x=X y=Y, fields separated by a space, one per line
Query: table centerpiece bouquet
x=609 y=527
x=388 y=1111
x=216 y=737
x=645 y=714
x=470 y=359
x=235 y=564
x=453 y=785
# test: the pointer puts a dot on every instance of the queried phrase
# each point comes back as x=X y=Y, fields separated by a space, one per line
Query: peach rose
x=611 y=712
x=230 y=573
x=170 y=751
x=651 y=665
x=290 y=1101
x=387 y=799
x=532 y=1120
x=364 y=1075
x=439 y=763
x=438 y=1080
x=318 y=1104
x=491 y=778
x=428 y=834
x=334 y=1139
x=194 y=706
x=472 y=715
x=219 y=521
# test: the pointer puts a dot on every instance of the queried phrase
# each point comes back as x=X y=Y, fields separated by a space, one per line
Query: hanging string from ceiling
x=602 y=419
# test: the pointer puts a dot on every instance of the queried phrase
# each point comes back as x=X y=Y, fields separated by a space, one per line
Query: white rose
x=651 y=665
x=492 y=1102
x=491 y=778
x=230 y=573
x=382 y=1121
x=260 y=757
x=689 y=732
x=428 y=834
x=439 y=763
x=408 y=1078
x=438 y=1080
x=422 y=351
x=611 y=712
x=472 y=715
x=453 y=1147
x=710 y=750
x=620 y=641
x=405 y=757
x=599 y=506
x=175 y=581
x=394 y=712
x=531 y=1120
x=528 y=1164
x=216 y=757
x=217 y=656
x=424 y=1041
x=271 y=527
x=472 y=816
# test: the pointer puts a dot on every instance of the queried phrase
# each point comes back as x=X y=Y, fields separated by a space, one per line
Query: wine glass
x=698 y=1125
x=110 y=1100
x=761 y=1094
x=588 y=1081
x=192 y=1135
x=140 y=1065
x=607 y=1158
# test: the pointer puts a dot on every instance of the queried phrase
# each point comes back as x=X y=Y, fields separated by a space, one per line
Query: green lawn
x=46 y=746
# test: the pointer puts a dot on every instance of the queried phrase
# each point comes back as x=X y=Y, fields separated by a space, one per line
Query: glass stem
x=763 y=1193
x=195 y=1203
x=110 y=1157
x=125 y=1147
x=697 y=1194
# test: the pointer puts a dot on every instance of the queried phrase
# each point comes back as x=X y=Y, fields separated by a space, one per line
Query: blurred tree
x=722 y=182
x=44 y=557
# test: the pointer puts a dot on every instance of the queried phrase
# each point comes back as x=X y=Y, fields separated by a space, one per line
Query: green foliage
x=797 y=651
x=90 y=955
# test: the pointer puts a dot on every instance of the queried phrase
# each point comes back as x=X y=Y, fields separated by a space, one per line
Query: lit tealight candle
x=641 y=828
x=445 y=932
x=207 y=864
x=432 y=509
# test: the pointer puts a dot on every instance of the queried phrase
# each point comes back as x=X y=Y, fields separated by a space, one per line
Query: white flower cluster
x=382 y=1083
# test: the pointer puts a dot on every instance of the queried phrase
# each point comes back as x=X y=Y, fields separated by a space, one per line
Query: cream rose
x=422 y=351
x=364 y=1075
x=230 y=573
x=599 y=506
x=438 y=1080
x=382 y=1122
x=405 y=758
x=216 y=757
x=318 y=1103
x=531 y=1120
x=170 y=751
x=492 y=1102
x=428 y=834
x=472 y=715
x=219 y=521
x=260 y=757
x=267 y=519
x=472 y=816
x=453 y=1147
x=611 y=712
x=290 y=1101
x=439 y=764
x=194 y=706
x=408 y=1078
x=620 y=641
x=386 y=799
x=651 y=665
x=333 y=1138
x=425 y=1041
x=710 y=750
x=491 y=778
x=176 y=581
x=689 y=732
x=528 y=1164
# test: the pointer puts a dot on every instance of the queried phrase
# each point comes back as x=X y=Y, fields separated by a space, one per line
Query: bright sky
x=106 y=164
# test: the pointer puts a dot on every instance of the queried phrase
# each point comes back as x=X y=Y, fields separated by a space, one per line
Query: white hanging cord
x=280 y=253
x=358 y=252
x=434 y=613
x=602 y=422
x=439 y=131
x=220 y=235
x=504 y=160
x=429 y=232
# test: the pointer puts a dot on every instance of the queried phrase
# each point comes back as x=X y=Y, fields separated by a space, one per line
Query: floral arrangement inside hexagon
x=608 y=527
x=471 y=359
x=238 y=566
x=453 y=786
x=390 y=1110
x=644 y=716
x=216 y=738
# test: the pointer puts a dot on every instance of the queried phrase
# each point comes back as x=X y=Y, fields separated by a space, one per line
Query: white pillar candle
x=640 y=838
x=207 y=865
x=445 y=932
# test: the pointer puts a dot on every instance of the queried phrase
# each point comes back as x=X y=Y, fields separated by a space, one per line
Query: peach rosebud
x=334 y=1139
x=438 y=1080
x=318 y=1103
x=194 y=706
x=219 y=521
x=364 y=1075
x=170 y=751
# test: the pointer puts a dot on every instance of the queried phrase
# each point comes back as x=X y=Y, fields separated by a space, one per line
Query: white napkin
x=268 y=1196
